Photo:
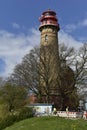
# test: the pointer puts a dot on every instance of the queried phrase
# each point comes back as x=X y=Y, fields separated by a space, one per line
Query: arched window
x=46 y=38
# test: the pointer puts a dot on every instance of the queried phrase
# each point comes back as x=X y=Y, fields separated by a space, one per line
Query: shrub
x=24 y=113
x=10 y=119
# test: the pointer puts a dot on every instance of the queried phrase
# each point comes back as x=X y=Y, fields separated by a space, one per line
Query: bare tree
x=77 y=60
x=37 y=74
x=26 y=73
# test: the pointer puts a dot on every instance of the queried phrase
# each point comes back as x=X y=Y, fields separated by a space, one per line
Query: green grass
x=49 y=123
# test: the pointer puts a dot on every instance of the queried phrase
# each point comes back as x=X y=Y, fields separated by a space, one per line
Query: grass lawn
x=49 y=123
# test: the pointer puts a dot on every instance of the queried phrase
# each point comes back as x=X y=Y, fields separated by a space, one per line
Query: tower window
x=46 y=38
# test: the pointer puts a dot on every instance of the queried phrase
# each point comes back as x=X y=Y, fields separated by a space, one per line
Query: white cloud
x=84 y=22
x=15 y=25
x=68 y=40
x=70 y=27
x=14 y=47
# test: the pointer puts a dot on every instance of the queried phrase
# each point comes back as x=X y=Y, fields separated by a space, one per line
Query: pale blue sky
x=19 y=27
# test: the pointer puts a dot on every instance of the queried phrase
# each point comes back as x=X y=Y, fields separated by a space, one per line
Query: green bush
x=10 y=119
x=24 y=113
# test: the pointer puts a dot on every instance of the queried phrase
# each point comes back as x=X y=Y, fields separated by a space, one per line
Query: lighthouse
x=49 y=56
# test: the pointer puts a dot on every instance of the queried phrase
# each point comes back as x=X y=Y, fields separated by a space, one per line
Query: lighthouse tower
x=49 y=55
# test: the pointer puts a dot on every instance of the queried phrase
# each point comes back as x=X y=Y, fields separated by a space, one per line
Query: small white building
x=42 y=108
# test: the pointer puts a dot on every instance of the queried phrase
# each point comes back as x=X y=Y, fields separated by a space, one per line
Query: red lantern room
x=48 y=18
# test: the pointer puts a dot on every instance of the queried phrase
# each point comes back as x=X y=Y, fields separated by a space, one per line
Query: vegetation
x=49 y=123
x=13 y=96
x=72 y=75
x=8 y=120
x=67 y=89
x=34 y=74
